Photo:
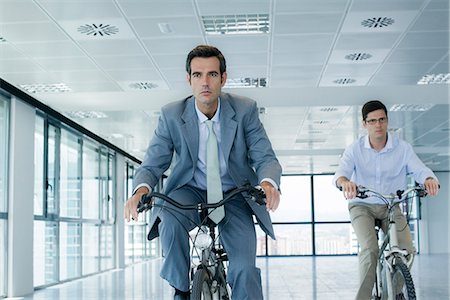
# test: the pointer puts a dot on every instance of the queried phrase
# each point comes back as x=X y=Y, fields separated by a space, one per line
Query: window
x=312 y=219
x=4 y=109
x=74 y=215
x=333 y=231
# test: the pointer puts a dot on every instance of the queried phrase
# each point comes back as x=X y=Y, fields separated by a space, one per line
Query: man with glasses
x=379 y=160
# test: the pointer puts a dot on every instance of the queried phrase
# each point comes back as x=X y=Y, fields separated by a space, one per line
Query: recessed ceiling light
x=98 y=29
x=236 y=24
x=86 y=114
x=435 y=79
x=344 y=81
x=358 y=56
x=328 y=109
x=46 y=88
x=377 y=22
x=245 y=82
x=411 y=107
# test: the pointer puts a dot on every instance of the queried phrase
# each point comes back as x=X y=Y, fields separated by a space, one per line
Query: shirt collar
x=202 y=118
x=388 y=145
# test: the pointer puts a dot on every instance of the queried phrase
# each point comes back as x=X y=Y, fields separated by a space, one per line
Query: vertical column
x=20 y=196
x=120 y=224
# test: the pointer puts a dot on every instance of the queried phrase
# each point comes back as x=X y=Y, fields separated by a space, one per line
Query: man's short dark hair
x=371 y=106
x=206 y=51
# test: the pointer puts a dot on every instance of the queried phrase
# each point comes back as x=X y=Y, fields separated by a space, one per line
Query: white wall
x=435 y=223
x=20 y=199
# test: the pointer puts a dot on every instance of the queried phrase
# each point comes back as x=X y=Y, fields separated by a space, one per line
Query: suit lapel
x=190 y=128
x=228 y=125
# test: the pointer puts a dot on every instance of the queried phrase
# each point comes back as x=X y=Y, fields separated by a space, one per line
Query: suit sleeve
x=260 y=153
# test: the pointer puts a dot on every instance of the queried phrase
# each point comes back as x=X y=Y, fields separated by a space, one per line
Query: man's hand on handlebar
x=349 y=188
x=431 y=186
x=272 y=196
x=130 y=209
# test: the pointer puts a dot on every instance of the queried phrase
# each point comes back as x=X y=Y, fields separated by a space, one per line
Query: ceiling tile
x=180 y=26
x=124 y=62
x=32 y=32
x=112 y=47
x=180 y=46
x=306 y=23
x=50 y=49
x=91 y=11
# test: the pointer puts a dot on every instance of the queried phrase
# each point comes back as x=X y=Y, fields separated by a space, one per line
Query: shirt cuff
x=142 y=185
x=271 y=182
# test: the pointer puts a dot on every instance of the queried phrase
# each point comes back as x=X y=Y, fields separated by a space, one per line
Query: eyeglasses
x=375 y=121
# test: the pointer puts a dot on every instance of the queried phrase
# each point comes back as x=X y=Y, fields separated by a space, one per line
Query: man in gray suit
x=245 y=155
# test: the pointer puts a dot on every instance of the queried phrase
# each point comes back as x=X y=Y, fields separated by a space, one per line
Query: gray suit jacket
x=245 y=145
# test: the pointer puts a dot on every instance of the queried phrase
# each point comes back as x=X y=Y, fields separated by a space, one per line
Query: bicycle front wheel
x=201 y=285
x=402 y=282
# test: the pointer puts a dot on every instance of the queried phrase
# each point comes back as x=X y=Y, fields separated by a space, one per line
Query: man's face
x=376 y=124
x=205 y=80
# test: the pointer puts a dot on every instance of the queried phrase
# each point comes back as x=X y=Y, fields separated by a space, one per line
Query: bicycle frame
x=208 y=278
x=390 y=255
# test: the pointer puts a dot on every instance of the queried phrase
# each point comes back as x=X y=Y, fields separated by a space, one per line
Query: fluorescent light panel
x=46 y=88
x=245 y=82
x=435 y=79
x=411 y=107
x=236 y=24
x=86 y=114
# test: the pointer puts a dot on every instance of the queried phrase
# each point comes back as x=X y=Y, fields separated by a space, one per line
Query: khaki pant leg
x=363 y=223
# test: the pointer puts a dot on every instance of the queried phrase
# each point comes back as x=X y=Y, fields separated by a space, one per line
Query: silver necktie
x=213 y=181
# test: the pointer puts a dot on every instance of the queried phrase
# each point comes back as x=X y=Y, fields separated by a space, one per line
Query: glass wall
x=73 y=204
x=312 y=219
x=4 y=113
x=137 y=247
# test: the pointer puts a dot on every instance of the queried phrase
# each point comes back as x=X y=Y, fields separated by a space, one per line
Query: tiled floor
x=283 y=278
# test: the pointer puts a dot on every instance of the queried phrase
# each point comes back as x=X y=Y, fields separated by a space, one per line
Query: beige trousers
x=363 y=218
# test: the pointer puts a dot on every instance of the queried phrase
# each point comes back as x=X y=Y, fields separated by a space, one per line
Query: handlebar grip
x=145 y=203
x=258 y=195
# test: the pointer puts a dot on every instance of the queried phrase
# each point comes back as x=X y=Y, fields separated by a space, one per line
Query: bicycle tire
x=201 y=285
x=402 y=277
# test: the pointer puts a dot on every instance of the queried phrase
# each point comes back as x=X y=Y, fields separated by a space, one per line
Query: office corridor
x=283 y=278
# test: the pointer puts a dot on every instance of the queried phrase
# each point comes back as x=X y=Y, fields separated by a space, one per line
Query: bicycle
x=393 y=277
x=208 y=277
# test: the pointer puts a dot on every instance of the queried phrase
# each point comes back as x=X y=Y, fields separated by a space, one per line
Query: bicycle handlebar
x=255 y=193
x=399 y=194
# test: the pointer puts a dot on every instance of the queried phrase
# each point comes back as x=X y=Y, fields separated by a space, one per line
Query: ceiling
x=316 y=63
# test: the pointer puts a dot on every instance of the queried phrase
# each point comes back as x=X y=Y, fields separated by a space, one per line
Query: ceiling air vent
x=98 y=29
x=2 y=39
x=377 y=22
x=358 y=56
x=143 y=85
x=344 y=81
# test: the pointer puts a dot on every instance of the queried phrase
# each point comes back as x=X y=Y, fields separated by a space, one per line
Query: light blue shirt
x=199 y=179
x=384 y=171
